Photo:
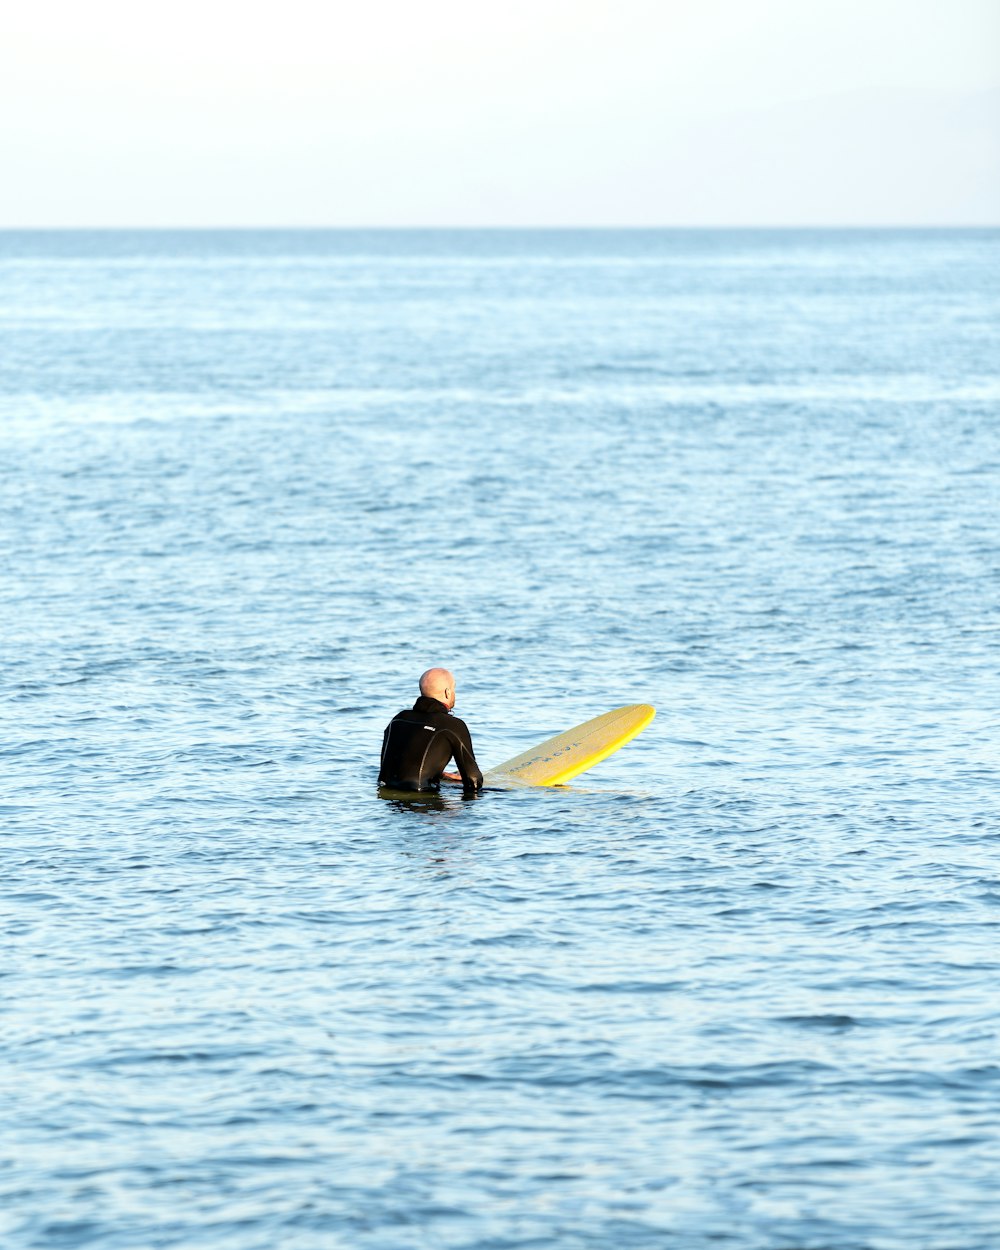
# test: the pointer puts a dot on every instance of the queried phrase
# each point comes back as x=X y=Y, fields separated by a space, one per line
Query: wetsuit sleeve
x=382 y=771
x=465 y=758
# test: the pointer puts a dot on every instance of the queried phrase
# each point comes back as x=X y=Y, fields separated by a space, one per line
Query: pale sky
x=507 y=112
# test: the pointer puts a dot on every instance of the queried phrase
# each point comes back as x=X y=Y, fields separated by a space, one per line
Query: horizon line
x=561 y=227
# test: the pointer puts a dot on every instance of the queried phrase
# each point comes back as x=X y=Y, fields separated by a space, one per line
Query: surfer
x=419 y=742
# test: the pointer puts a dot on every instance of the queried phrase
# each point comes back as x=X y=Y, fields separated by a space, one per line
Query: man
x=418 y=743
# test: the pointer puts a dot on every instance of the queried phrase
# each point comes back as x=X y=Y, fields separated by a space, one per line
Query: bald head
x=438 y=683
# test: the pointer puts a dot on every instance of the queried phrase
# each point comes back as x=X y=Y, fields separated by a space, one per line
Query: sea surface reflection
x=735 y=987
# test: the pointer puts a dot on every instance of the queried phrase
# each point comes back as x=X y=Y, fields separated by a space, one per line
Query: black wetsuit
x=419 y=742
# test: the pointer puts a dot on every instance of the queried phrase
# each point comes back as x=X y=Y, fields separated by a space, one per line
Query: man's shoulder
x=438 y=717
x=410 y=714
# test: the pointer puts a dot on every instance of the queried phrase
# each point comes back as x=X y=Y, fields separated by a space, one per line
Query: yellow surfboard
x=567 y=755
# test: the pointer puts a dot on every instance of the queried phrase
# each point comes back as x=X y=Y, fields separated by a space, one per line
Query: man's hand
x=451 y=776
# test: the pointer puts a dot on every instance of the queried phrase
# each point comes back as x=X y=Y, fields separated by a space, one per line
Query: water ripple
x=734 y=988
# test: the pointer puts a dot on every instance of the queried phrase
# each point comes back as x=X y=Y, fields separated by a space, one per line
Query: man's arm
x=465 y=758
x=385 y=744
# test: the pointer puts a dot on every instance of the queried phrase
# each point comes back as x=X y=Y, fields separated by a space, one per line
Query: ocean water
x=738 y=986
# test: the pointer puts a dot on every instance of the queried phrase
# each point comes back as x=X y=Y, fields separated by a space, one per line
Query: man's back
x=419 y=742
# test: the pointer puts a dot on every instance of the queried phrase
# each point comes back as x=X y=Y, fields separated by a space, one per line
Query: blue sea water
x=738 y=986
